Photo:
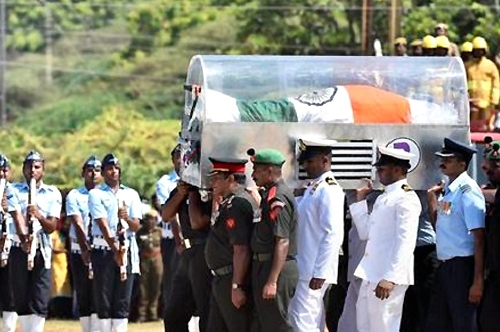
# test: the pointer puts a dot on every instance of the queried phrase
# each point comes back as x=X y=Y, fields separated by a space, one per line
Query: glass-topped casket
x=234 y=103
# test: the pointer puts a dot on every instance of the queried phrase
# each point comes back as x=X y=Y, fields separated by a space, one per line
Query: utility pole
x=3 y=60
x=366 y=27
x=395 y=12
x=48 y=44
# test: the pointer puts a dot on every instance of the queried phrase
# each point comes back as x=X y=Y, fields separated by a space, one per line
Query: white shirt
x=320 y=229
x=391 y=234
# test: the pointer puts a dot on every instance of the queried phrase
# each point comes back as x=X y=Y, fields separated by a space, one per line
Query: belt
x=18 y=244
x=222 y=271
x=458 y=258
x=188 y=243
x=268 y=257
x=262 y=257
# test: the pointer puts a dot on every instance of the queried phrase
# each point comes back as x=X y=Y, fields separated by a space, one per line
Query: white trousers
x=306 y=311
x=32 y=323
x=347 y=322
x=9 y=321
x=375 y=315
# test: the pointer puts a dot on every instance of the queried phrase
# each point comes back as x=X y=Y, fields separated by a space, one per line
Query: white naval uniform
x=391 y=234
x=347 y=321
x=319 y=238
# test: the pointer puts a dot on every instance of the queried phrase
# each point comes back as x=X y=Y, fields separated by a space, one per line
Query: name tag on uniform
x=257 y=215
x=444 y=207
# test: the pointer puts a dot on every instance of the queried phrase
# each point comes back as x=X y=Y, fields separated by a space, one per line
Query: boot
x=94 y=323
x=105 y=324
x=85 y=323
x=9 y=321
x=120 y=325
x=25 y=322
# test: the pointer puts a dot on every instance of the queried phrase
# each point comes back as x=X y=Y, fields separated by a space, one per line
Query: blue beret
x=93 y=162
x=33 y=156
x=110 y=159
x=4 y=161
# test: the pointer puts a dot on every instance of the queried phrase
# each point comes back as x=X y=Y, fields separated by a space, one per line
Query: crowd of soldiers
x=483 y=77
x=266 y=259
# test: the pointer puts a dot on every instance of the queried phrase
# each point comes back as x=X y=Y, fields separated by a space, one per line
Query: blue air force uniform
x=77 y=204
x=32 y=288
x=7 y=303
x=112 y=295
x=460 y=211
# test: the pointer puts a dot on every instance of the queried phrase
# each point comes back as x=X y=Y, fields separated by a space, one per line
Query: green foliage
x=142 y=145
x=159 y=23
x=311 y=27
x=28 y=23
x=465 y=19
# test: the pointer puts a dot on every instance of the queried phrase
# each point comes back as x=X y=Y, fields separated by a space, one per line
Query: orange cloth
x=373 y=105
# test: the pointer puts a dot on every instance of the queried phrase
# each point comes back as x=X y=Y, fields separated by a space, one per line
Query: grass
x=74 y=326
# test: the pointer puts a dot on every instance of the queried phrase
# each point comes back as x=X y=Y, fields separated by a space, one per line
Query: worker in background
x=429 y=46
x=442 y=46
x=400 y=47
x=416 y=47
x=441 y=29
x=484 y=86
x=466 y=52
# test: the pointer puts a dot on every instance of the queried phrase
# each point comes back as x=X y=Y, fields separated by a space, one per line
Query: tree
x=27 y=21
x=159 y=23
x=311 y=27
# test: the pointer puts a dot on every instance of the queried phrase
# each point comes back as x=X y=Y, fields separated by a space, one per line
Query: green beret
x=493 y=153
x=266 y=156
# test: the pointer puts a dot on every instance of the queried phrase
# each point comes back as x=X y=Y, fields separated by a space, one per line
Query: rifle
x=122 y=247
x=4 y=238
x=31 y=220
x=89 y=232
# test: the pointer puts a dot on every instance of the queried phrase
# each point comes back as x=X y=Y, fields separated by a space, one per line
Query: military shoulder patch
x=406 y=187
x=465 y=188
x=272 y=193
x=230 y=223
x=330 y=181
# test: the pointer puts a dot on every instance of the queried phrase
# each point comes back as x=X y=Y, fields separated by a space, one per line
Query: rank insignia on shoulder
x=465 y=188
x=330 y=181
x=316 y=185
x=406 y=187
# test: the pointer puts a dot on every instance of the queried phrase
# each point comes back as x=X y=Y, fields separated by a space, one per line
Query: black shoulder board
x=330 y=181
x=406 y=187
x=465 y=188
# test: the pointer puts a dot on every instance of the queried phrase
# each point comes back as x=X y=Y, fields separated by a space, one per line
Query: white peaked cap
x=395 y=153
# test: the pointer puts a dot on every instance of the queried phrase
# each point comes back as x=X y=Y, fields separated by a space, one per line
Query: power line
x=259 y=8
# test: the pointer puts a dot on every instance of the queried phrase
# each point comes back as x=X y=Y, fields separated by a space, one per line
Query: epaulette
x=465 y=188
x=406 y=187
x=330 y=181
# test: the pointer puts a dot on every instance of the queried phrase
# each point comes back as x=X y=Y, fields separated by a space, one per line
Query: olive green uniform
x=278 y=219
x=232 y=225
x=149 y=242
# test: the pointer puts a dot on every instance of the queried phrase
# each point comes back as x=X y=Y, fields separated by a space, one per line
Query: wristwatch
x=235 y=285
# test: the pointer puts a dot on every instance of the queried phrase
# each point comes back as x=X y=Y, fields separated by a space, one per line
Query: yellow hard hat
x=443 y=42
x=400 y=40
x=416 y=42
x=479 y=43
x=466 y=47
x=429 y=42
